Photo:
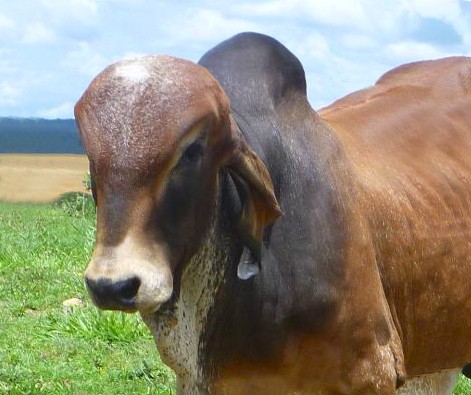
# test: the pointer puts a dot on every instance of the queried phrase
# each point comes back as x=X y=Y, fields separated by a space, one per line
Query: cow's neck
x=203 y=328
x=178 y=328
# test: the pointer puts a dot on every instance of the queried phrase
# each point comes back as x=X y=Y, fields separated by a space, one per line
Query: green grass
x=46 y=348
x=463 y=387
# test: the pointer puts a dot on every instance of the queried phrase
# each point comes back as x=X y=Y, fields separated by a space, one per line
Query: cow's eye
x=192 y=153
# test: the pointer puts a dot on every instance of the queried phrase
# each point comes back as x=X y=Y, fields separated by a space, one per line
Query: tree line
x=39 y=136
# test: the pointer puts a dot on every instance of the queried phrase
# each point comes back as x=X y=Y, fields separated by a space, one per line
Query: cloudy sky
x=51 y=49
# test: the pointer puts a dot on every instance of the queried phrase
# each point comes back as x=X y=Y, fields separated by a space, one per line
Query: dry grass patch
x=40 y=178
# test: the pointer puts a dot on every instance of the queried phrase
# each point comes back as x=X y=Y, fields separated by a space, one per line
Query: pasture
x=47 y=347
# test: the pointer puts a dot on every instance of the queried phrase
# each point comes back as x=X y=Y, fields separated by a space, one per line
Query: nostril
x=127 y=289
x=119 y=295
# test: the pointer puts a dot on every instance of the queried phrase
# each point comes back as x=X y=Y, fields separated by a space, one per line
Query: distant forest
x=39 y=136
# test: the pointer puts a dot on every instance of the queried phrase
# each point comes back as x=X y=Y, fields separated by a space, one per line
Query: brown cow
x=275 y=250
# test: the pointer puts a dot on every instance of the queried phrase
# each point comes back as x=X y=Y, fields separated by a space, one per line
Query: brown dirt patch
x=40 y=178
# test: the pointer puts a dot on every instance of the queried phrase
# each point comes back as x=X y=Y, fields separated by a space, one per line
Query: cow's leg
x=440 y=383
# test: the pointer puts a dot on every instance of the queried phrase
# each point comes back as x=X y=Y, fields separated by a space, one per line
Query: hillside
x=39 y=136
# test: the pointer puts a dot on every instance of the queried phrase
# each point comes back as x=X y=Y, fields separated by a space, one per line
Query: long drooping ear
x=257 y=206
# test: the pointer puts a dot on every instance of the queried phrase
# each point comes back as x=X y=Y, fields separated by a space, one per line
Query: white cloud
x=362 y=15
x=206 y=25
x=6 y=64
x=448 y=11
x=72 y=9
x=72 y=19
x=85 y=60
x=408 y=51
x=340 y=12
x=37 y=33
x=5 y=23
x=440 y=9
x=9 y=93
x=358 y=41
x=64 y=110
x=344 y=45
x=314 y=45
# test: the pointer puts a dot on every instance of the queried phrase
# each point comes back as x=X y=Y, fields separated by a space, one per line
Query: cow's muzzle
x=109 y=295
x=144 y=289
x=129 y=277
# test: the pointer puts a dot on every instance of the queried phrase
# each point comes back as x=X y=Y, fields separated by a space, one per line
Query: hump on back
x=256 y=71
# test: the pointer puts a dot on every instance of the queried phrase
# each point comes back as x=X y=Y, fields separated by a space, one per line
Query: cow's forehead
x=166 y=75
x=135 y=111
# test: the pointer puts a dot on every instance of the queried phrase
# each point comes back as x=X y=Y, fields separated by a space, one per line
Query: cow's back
x=409 y=141
x=414 y=115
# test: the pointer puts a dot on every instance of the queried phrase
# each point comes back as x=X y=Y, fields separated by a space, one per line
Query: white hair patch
x=134 y=72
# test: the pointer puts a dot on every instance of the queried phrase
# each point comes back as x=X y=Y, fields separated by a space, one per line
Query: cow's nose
x=118 y=295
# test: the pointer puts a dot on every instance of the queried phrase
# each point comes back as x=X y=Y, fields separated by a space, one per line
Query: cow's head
x=157 y=131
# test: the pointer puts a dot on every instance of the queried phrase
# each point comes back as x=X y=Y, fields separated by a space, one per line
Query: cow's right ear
x=253 y=200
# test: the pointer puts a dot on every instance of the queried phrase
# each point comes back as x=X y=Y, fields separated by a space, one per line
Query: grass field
x=40 y=178
x=47 y=348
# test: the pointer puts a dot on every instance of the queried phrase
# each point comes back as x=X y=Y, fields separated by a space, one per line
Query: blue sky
x=51 y=49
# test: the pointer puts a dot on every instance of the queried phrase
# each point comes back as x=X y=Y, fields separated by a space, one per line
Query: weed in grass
x=76 y=204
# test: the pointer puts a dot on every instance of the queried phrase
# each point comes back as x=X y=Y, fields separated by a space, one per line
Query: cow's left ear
x=256 y=203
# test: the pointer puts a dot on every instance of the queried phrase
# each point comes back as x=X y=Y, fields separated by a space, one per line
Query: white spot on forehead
x=135 y=71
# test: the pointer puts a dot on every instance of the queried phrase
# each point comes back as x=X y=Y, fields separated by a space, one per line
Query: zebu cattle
x=273 y=249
